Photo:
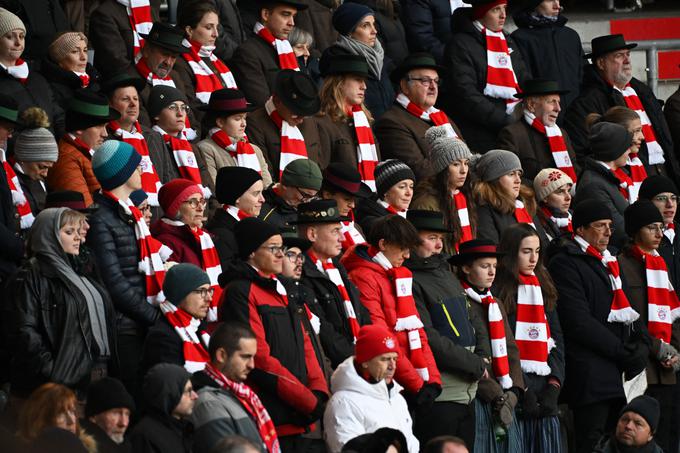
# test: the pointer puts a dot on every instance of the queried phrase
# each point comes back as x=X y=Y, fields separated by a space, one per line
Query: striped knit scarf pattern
x=521 y=213
x=139 y=13
x=235 y=212
x=432 y=115
x=184 y=157
x=558 y=147
x=292 y=142
x=367 y=155
x=532 y=332
x=19 y=71
x=206 y=79
x=283 y=48
x=241 y=151
x=21 y=204
x=80 y=145
x=501 y=81
x=460 y=204
x=186 y=326
x=633 y=102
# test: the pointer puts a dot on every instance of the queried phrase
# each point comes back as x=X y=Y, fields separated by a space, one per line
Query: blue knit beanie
x=348 y=15
x=114 y=162
x=138 y=196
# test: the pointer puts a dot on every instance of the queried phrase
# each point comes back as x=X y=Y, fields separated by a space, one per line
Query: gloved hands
x=503 y=407
x=321 y=400
x=426 y=396
x=548 y=400
x=637 y=356
x=529 y=408
x=666 y=351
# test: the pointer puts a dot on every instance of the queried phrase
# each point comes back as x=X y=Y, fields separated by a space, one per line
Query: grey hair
x=300 y=36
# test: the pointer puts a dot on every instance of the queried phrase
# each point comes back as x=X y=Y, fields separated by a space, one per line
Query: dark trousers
x=666 y=432
x=447 y=418
x=592 y=421
x=300 y=444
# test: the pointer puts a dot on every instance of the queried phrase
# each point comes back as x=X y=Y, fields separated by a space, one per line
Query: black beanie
x=232 y=182
x=589 y=211
x=389 y=172
x=251 y=233
x=655 y=184
x=181 y=279
x=647 y=408
x=641 y=213
x=107 y=393
x=608 y=141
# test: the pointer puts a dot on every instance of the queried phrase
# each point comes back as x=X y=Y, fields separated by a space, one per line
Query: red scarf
x=151 y=77
x=391 y=209
x=283 y=49
x=184 y=157
x=350 y=235
x=195 y=355
x=292 y=142
x=210 y=262
x=19 y=71
x=151 y=183
x=620 y=311
x=367 y=155
x=21 y=204
x=669 y=232
x=84 y=78
x=663 y=306
x=235 y=212
x=626 y=187
x=152 y=253
x=633 y=102
x=408 y=319
x=79 y=145
x=241 y=151
x=637 y=174
x=558 y=147
x=499 y=347
x=460 y=204
x=139 y=13
x=563 y=223
x=521 y=213
x=206 y=79
x=327 y=267
x=532 y=332
x=252 y=404
x=501 y=82
x=432 y=115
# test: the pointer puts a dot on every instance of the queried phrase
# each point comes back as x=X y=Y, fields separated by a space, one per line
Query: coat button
x=16 y=215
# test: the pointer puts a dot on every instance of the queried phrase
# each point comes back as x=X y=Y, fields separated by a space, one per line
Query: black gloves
x=529 y=408
x=503 y=407
x=426 y=396
x=637 y=356
x=548 y=401
x=321 y=400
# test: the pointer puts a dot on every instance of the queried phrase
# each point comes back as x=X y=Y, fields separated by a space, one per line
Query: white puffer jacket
x=358 y=407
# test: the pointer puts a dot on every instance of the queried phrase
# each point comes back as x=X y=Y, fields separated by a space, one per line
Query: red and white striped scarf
x=185 y=158
x=521 y=213
x=637 y=174
x=654 y=150
x=367 y=155
x=19 y=71
x=663 y=306
x=210 y=262
x=139 y=13
x=563 y=223
x=235 y=212
x=84 y=78
x=206 y=79
x=532 y=331
x=620 y=311
x=408 y=319
x=283 y=48
x=80 y=145
x=626 y=186
x=350 y=234
x=196 y=356
x=391 y=209
x=432 y=115
x=328 y=267
x=152 y=253
x=150 y=76
x=19 y=199
x=460 y=203
x=251 y=403
x=558 y=147
x=669 y=231
x=292 y=142
x=151 y=183
x=501 y=81
x=499 y=347
x=241 y=151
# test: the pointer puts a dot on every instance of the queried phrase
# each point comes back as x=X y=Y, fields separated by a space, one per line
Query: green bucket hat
x=9 y=109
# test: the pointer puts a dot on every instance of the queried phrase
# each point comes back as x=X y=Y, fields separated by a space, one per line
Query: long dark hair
x=451 y=219
x=507 y=273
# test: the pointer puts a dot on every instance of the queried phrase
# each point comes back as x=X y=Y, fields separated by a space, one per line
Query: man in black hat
x=257 y=61
x=609 y=82
x=635 y=428
x=601 y=333
x=401 y=129
x=107 y=415
x=535 y=138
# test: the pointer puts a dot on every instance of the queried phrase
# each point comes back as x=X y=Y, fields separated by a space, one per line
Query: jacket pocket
x=450 y=318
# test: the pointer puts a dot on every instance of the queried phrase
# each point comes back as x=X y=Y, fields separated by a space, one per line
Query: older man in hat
x=609 y=82
x=401 y=129
x=257 y=61
x=536 y=138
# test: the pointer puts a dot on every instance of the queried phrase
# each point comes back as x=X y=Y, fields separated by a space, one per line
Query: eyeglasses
x=654 y=228
x=294 y=257
x=665 y=198
x=194 y=203
x=307 y=196
x=600 y=227
x=204 y=292
x=275 y=249
x=426 y=81
x=175 y=108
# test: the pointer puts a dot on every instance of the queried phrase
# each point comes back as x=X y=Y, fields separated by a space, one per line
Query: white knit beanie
x=549 y=180
x=9 y=22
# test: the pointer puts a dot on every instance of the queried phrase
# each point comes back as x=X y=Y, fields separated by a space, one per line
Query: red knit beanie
x=174 y=193
x=480 y=10
x=373 y=341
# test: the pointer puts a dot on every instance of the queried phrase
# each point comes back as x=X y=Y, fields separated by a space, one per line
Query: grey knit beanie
x=495 y=163
x=36 y=145
x=444 y=148
x=9 y=22
x=608 y=141
x=549 y=180
x=64 y=44
x=389 y=172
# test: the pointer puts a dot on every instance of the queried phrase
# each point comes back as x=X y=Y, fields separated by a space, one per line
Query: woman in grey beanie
x=448 y=190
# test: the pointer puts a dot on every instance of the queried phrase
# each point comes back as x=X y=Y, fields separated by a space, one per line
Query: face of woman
x=481 y=272
x=76 y=59
x=432 y=243
x=560 y=199
x=527 y=255
x=458 y=171
x=649 y=237
x=233 y=125
x=301 y=50
x=399 y=196
x=395 y=254
x=172 y=118
x=67 y=420
x=511 y=183
x=251 y=201
x=635 y=129
x=365 y=31
x=494 y=19
x=353 y=89
x=205 y=32
x=12 y=46
x=191 y=212
x=69 y=237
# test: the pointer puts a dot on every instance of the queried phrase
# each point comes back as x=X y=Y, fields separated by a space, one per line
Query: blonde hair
x=491 y=193
x=333 y=100
x=71 y=217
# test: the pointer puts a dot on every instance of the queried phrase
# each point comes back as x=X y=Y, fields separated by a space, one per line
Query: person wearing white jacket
x=365 y=396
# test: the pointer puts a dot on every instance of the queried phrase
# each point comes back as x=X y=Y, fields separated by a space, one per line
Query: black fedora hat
x=424 y=220
x=271 y=3
x=318 y=211
x=539 y=87
x=9 y=109
x=120 y=80
x=603 y=45
x=343 y=63
x=297 y=91
x=419 y=60
x=227 y=101
x=88 y=108
x=291 y=239
x=345 y=178
x=473 y=249
x=167 y=37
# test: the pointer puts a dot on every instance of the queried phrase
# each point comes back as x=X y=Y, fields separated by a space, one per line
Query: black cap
x=251 y=233
x=469 y=251
x=232 y=182
x=419 y=60
x=297 y=91
x=647 y=408
x=655 y=184
x=345 y=178
x=424 y=220
x=167 y=37
x=589 y=211
x=88 y=108
x=107 y=393
x=639 y=214
x=343 y=63
x=120 y=80
x=227 y=101
x=539 y=87
x=608 y=141
x=603 y=45
x=318 y=211
x=162 y=96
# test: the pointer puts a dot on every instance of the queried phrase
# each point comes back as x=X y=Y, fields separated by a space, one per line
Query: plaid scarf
x=532 y=332
x=139 y=13
x=521 y=213
x=283 y=49
x=501 y=82
x=241 y=151
x=21 y=204
x=432 y=115
x=460 y=204
x=367 y=155
x=633 y=102
x=558 y=147
x=292 y=142
x=195 y=355
x=19 y=71
x=206 y=79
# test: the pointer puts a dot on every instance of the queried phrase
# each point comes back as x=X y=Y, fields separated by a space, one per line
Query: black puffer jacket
x=221 y=226
x=390 y=29
x=479 y=117
x=428 y=25
x=112 y=239
x=275 y=210
x=64 y=83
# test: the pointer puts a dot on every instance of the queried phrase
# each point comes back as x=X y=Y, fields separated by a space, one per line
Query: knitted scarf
x=139 y=13
x=21 y=204
x=460 y=204
x=80 y=145
x=350 y=235
x=620 y=310
x=663 y=306
x=151 y=183
x=501 y=82
x=521 y=213
x=152 y=253
x=499 y=347
x=532 y=332
x=19 y=71
x=327 y=267
x=637 y=174
x=251 y=403
x=391 y=209
x=558 y=147
x=235 y=212
x=563 y=223
x=241 y=151
x=195 y=355
x=292 y=142
x=407 y=316
x=626 y=186
x=432 y=115
x=283 y=48
x=150 y=76
x=669 y=232
x=206 y=79
x=367 y=155
x=184 y=157
x=84 y=78
x=633 y=102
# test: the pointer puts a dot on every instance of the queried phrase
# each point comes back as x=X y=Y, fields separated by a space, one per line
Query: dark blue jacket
x=428 y=25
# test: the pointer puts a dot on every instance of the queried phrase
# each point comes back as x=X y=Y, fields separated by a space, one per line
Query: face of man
x=432 y=243
x=126 y=101
x=546 y=108
x=292 y=263
x=197 y=302
x=280 y=20
x=186 y=403
x=632 y=430
x=159 y=60
x=93 y=136
x=326 y=240
x=293 y=196
x=421 y=87
x=597 y=233
x=615 y=67
x=494 y=19
x=37 y=171
x=241 y=362
x=667 y=204
x=286 y=114
x=382 y=366
x=268 y=258
x=114 y=422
